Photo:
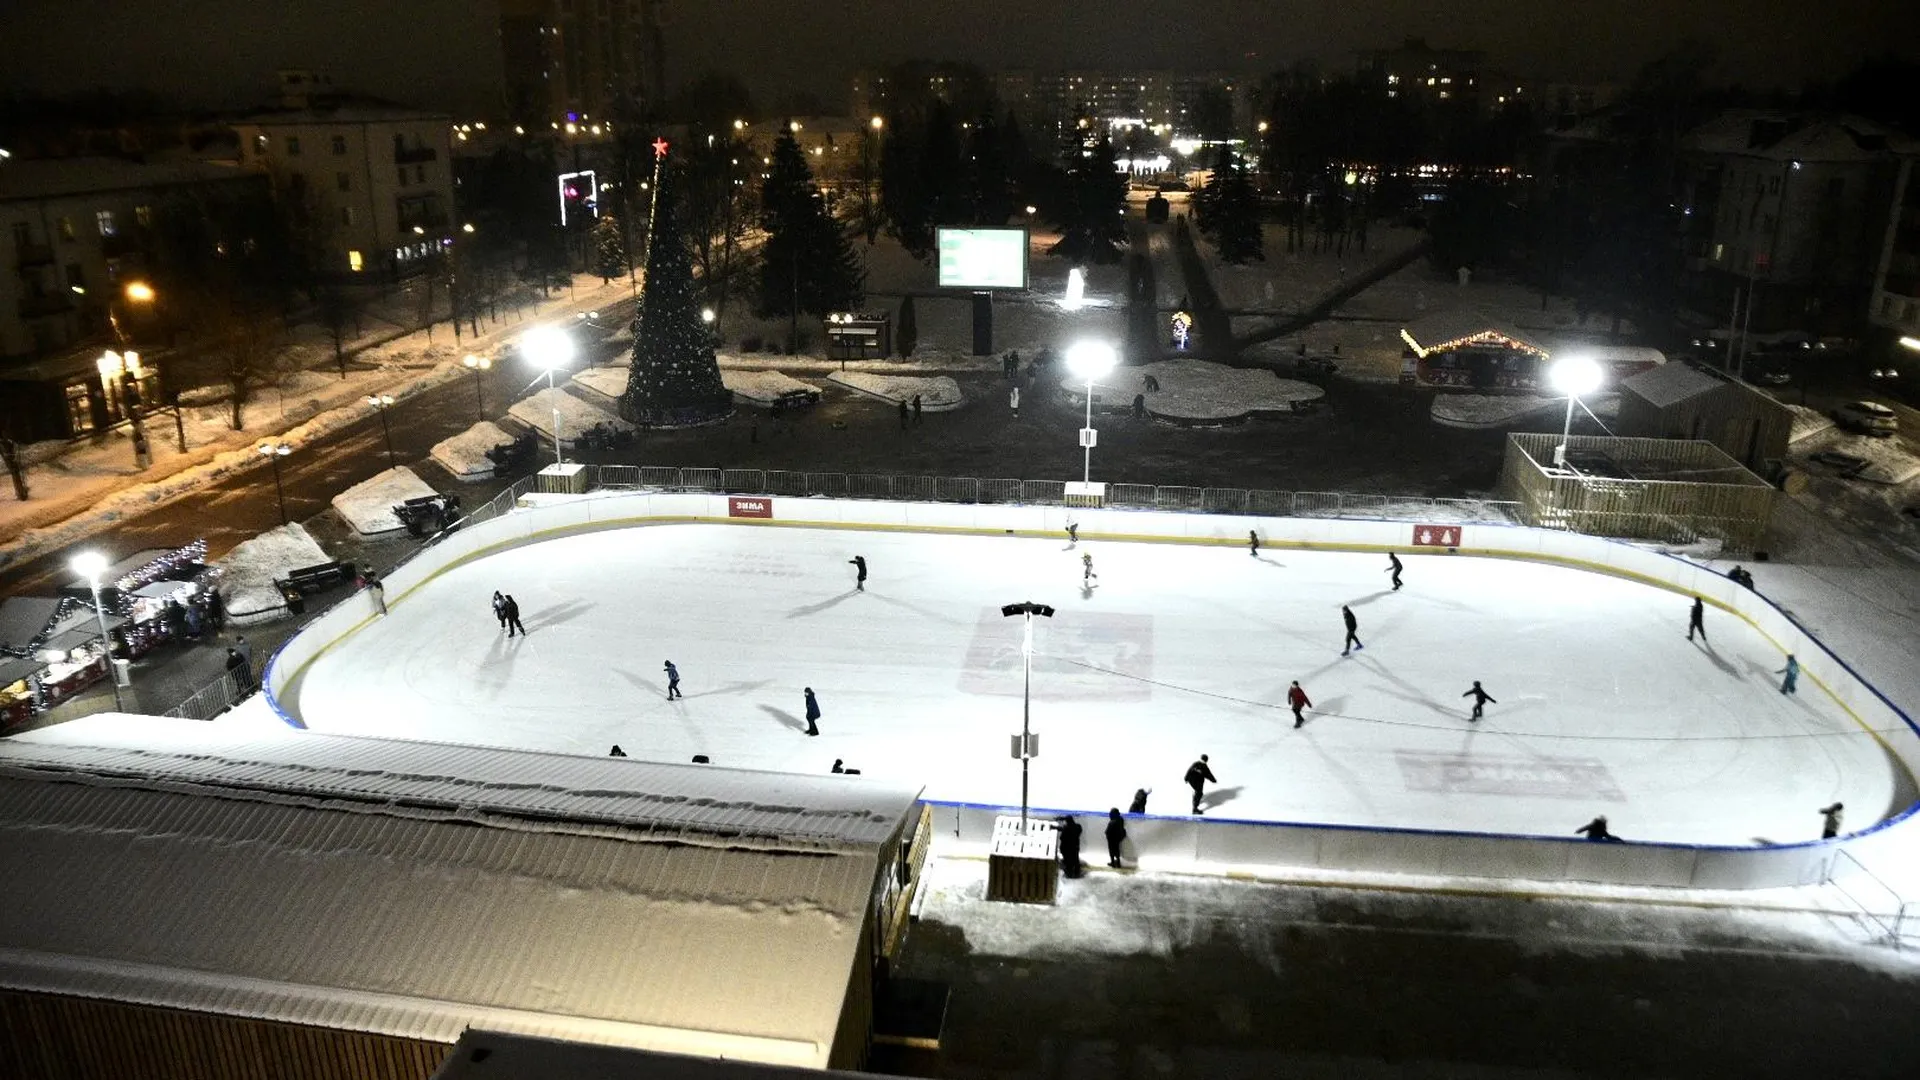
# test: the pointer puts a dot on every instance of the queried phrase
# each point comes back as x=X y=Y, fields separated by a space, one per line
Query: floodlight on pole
x=90 y=565
x=1026 y=609
x=548 y=348
x=1090 y=360
x=1575 y=376
x=273 y=452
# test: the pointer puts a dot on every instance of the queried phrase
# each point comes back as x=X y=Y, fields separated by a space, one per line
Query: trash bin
x=122 y=673
x=296 y=602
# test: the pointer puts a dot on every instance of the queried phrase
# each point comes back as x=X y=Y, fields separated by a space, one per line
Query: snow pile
x=937 y=393
x=763 y=388
x=1888 y=461
x=250 y=570
x=1807 y=422
x=605 y=382
x=368 y=505
x=576 y=415
x=1489 y=410
x=465 y=455
x=1196 y=390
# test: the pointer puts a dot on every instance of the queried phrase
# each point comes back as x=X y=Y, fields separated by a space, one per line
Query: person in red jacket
x=1297 y=698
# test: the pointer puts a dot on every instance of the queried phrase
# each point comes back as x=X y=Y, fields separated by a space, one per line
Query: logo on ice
x=749 y=508
x=1446 y=536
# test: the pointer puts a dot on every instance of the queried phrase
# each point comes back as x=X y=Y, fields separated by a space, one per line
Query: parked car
x=1867 y=418
x=1767 y=372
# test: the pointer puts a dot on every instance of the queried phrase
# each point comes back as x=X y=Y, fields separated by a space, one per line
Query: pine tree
x=674 y=379
x=1092 y=223
x=609 y=248
x=807 y=263
x=1236 y=217
x=907 y=334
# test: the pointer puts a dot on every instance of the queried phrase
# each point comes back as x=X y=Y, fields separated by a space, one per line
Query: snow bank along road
x=1603 y=706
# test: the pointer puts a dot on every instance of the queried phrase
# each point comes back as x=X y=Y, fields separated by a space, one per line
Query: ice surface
x=368 y=505
x=1604 y=706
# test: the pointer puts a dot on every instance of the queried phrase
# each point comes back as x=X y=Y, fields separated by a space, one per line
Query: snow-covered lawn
x=1293 y=282
x=368 y=505
x=1506 y=410
x=1888 y=460
x=763 y=388
x=1807 y=422
x=603 y=382
x=937 y=393
x=250 y=570
x=465 y=455
x=1196 y=390
x=576 y=415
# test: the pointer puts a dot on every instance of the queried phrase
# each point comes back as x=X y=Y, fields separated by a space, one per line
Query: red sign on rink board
x=1446 y=536
x=739 y=506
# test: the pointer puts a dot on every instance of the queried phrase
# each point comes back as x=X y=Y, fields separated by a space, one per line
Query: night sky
x=444 y=52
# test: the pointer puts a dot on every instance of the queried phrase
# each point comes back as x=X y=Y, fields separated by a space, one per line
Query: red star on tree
x=659 y=148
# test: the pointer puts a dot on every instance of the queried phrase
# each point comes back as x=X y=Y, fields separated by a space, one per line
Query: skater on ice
x=859 y=564
x=378 y=590
x=840 y=766
x=1116 y=835
x=616 y=751
x=511 y=609
x=1297 y=700
x=1087 y=576
x=1831 y=827
x=673 y=681
x=1790 y=684
x=1013 y=401
x=1253 y=543
x=813 y=713
x=1394 y=568
x=1198 y=774
x=1597 y=830
x=500 y=608
x=1070 y=831
x=1480 y=698
x=1073 y=532
x=1353 y=630
x=1139 y=805
x=1696 y=619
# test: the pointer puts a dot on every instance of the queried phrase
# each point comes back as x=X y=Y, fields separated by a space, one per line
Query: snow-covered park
x=1195 y=391
x=1603 y=705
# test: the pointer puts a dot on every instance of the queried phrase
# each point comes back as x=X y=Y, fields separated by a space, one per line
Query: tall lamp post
x=1089 y=360
x=382 y=402
x=874 y=127
x=478 y=364
x=1025 y=749
x=547 y=348
x=1575 y=376
x=90 y=565
x=273 y=452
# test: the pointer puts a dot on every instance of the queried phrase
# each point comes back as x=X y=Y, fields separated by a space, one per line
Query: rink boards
x=1221 y=841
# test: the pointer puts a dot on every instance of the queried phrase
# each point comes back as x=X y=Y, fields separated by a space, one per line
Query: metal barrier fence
x=212 y=699
x=1669 y=490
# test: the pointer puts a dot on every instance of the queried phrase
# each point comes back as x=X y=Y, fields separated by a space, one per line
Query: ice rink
x=1603 y=704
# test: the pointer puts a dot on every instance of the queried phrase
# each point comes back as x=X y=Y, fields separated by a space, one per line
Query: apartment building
x=580 y=60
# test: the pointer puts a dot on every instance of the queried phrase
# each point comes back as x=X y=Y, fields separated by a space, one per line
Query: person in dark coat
x=1790 y=684
x=1116 y=835
x=217 y=608
x=859 y=564
x=1830 y=828
x=1480 y=698
x=239 y=674
x=813 y=712
x=903 y=414
x=1739 y=576
x=1140 y=800
x=1394 y=568
x=1353 y=630
x=500 y=608
x=1198 y=774
x=1696 y=619
x=1597 y=830
x=511 y=609
x=1297 y=701
x=1139 y=406
x=916 y=410
x=616 y=751
x=673 y=681
x=1070 y=831
x=1253 y=543
x=1073 y=532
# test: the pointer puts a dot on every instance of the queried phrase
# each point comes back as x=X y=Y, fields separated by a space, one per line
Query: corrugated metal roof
x=1669 y=384
x=209 y=880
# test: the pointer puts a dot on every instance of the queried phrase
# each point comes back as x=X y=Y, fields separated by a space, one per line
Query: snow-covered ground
x=465 y=454
x=250 y=570
x=1603 y=704
x=576 y=415
x=762 y=388
x=1292 y=282
x=604 y=384
x=1195 y=390
x=1503 y=410
x=937 y=393
x=1807 y=422
x=368 y=505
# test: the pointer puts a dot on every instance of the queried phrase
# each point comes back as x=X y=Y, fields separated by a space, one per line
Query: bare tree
x=12 y=453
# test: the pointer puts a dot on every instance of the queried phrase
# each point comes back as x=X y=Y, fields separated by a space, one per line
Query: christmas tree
x=609 y=249
x=674 y=380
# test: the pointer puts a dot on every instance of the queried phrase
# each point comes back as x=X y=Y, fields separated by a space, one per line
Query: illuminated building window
x=354 y=261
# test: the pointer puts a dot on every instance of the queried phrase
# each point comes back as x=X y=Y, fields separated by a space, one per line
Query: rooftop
x=55 y=177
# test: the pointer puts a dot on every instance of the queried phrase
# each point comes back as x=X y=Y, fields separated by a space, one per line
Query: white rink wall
x=1174 y=843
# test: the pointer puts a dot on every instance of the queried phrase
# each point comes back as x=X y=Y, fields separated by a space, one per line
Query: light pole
x=90 y=565
x=548 y=347
x=478 y=364
x=1025 y=747
x=1090 y=360
x=382 y=402
x=1574 y=376
x=866 y=177
x=273 y=452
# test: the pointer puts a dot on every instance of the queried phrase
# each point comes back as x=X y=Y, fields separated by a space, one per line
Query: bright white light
x=707 y=315
x=547 y=347
x=89 y=565
x=1088 y=360
x=1076 y=296
x=1576 y=375
x=1911 y=343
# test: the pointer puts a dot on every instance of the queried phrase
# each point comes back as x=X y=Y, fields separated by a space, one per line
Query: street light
x=478 y=364
x=1574 y=376
x=1090 y=360
x=120 y=378
x=1026 y=749
x=548 y=347
x=382 y=402
x=273 y=452
x=90 y=565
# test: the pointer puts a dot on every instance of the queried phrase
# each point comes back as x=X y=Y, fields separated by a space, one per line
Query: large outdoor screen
x=983 y=258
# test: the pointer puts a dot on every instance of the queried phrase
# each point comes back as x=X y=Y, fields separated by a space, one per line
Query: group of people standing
x=507 y=610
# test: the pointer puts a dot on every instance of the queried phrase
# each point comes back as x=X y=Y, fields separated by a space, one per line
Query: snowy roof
x=416 y=890
x=1670 y=384
x=1787 y=136
x=23 y=618
x=1442 y=327
x=54 y=178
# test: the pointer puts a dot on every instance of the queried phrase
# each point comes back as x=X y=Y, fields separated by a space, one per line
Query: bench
x=426 y=514
x=308 y=580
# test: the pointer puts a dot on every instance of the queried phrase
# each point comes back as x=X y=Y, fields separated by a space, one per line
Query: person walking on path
x=1253 y=543
x=673 y=681
x=1116 y=835
x=1480 y=698
x=500 y=608
x=916 y=410
x=239 y=674
x=1696 y=619
x=859 y=564
x=1353 y=630
x=1013 y=401
x=1198 y=774
x=1139 y=805
x=1070 y=831
x=813 y=713
x=1297 y=700
x=511 y=612
x=1831 y=827
x=1597 y=830
x=1394 y=568
x=903 y=414
x=1087 y=576
x=1790 y=684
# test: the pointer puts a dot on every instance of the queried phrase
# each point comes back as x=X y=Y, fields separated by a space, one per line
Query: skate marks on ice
x=1073 y=659
x=1537 y=777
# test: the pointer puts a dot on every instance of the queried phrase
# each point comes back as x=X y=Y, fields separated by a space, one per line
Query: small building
x=225 y=902
x=1466 y=348
x=1681 y=401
